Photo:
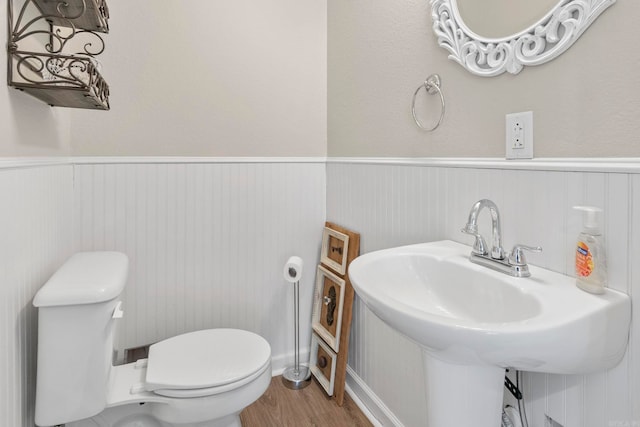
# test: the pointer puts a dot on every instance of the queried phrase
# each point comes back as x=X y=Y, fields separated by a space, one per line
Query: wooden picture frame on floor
x=335 y=248
x=323 y=364
x=328 y=307
x=340 y=246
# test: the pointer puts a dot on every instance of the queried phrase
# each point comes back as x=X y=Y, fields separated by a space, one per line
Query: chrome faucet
x=480 y=247
x=515 y=264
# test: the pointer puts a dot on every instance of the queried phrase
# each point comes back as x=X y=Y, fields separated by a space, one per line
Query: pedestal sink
x=473 y=322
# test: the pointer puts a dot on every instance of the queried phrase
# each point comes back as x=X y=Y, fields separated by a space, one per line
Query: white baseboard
x=282 y=361
x=369 y=403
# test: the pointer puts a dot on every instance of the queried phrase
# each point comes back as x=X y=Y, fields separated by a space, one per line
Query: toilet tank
x=77 y=308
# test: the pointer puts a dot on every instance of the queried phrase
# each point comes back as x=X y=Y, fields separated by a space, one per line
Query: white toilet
x=198 y=379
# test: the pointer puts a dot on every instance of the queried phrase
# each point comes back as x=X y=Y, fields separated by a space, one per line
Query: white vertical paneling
x=36 y=238
x=595 y=399
x=616 y=229
x=594 y=191
x=535 y=398
x=206 y=243
x=634 y=280
x=536 y=209
x=556 y=397
x=383 y=204
x=547 y=203
x=574 y=401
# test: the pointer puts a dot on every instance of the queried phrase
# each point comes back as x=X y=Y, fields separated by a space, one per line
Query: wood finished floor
x=309 y=407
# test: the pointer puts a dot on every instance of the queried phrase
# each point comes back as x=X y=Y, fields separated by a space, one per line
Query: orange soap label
x=584 y=260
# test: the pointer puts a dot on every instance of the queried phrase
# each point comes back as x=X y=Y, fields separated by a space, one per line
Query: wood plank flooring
x=309 y=407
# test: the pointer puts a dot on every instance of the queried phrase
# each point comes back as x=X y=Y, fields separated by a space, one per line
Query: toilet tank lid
x=86 y=278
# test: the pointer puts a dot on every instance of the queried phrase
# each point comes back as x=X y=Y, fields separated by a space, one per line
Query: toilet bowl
x=197 y=379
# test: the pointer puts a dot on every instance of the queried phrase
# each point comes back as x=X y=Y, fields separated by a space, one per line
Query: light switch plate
x=519 y=135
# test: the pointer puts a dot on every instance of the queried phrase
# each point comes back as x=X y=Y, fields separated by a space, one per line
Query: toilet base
x=228 y=421
x=223 y=410
x=137 y=416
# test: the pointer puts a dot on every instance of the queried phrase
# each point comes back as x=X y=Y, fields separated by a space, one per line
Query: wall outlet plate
x=519 y=135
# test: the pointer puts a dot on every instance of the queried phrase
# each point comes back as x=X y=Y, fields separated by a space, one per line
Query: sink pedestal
x=462 y=395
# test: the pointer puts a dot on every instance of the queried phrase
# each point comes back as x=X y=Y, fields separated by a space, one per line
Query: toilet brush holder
x=297 y=376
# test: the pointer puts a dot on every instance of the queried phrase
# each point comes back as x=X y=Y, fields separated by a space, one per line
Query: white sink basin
x=464 y=314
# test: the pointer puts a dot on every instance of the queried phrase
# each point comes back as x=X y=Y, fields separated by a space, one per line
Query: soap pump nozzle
x=590 y=218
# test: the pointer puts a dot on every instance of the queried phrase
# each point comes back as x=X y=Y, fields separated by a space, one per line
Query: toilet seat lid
x=204 y=359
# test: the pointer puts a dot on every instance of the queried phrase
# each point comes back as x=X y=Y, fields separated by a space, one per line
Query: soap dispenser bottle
x=591 y=262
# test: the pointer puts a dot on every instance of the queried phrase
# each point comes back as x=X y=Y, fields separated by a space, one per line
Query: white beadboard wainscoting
x=207 y=241
x=208 y=238
x=36 y=218
x=395 y=203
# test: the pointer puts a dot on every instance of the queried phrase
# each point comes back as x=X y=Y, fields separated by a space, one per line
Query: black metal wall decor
x=331 y=305
x=52 y=49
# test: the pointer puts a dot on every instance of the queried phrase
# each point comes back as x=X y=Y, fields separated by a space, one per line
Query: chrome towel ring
x=432 y=86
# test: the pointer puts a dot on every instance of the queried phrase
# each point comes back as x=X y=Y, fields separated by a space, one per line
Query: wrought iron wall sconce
x=52 y=49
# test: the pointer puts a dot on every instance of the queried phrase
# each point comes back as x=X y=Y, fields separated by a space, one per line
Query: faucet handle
x=517 y=254
x=479 y=246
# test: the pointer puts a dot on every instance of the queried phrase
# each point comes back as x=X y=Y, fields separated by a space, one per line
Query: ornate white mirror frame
x=540 y=43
